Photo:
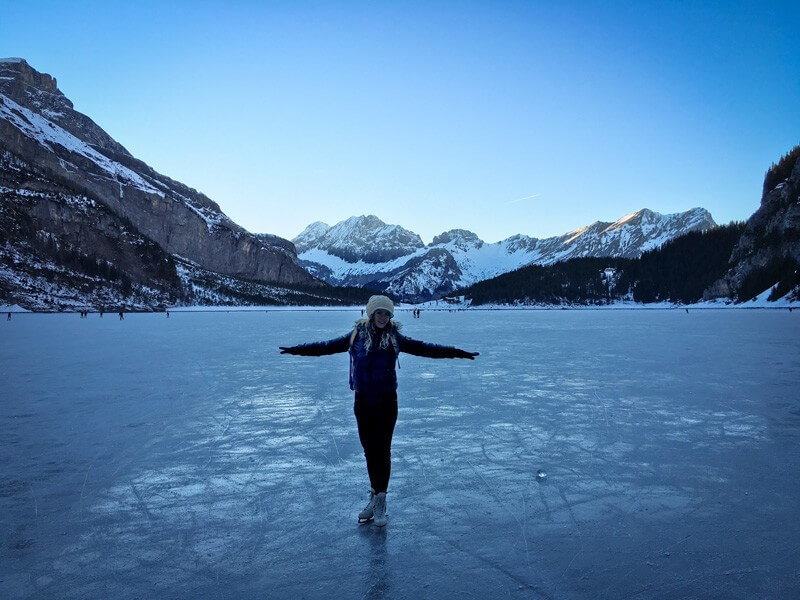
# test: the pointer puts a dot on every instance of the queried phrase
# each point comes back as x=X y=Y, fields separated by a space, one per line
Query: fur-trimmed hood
x=398 y=326
x=363 y=329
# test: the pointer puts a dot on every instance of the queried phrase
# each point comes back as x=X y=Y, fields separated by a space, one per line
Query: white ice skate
x=369 y=510
x=379 y=510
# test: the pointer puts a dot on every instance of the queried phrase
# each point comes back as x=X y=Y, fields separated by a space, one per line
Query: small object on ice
x=541 y=475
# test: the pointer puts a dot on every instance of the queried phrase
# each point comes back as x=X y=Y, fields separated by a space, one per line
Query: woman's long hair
x=376 y=339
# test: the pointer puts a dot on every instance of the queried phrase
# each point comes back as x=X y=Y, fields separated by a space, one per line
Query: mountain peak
x=309 y=237
x=39 y=93
x=363 y=238
x=18 y=70
x=643 y=214
x=462 y=239
x=363 y=221
x=694 y=218
x=316 y=228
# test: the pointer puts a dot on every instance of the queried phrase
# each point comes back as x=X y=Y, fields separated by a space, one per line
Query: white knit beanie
x=376 y=302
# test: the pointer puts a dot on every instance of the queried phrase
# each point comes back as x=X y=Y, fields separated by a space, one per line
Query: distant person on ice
x=374 y=345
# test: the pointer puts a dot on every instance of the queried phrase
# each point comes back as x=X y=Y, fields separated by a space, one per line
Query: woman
x=374 y=345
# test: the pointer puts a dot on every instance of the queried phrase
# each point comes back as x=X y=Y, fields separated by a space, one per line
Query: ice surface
x=183 y=457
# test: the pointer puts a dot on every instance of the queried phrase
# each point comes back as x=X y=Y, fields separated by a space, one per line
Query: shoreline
x=400 y=309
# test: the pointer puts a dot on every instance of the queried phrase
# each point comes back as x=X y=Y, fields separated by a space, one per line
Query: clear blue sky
x=498 y=117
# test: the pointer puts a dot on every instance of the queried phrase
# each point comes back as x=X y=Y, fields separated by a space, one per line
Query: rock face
x=771 y=238
x=60 y=249
x=366 y=251
x=70 y=154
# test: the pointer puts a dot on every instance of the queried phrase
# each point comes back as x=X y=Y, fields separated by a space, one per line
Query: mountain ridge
x=40 y=126
x=69 y=191
x=413 y=271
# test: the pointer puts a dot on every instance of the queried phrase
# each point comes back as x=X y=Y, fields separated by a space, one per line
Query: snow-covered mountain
x=360 y=238
x=366 y=251
x=78 y=211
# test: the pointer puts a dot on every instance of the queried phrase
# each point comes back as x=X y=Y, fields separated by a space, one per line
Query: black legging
x=375 y=428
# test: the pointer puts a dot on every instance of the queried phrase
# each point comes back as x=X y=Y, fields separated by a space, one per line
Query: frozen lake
x=184 y=457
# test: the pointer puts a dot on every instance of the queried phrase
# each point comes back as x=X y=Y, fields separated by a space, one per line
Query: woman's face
x=381 y=318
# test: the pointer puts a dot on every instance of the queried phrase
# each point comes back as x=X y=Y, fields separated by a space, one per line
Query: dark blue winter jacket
x=373 y=356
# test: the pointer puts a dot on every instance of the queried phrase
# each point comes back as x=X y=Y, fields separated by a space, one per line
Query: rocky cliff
x=768 y=251
x=64 y=152
x=61 y=249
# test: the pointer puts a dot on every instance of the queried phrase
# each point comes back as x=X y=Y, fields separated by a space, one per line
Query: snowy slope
x=54 y=138
x=48 y=134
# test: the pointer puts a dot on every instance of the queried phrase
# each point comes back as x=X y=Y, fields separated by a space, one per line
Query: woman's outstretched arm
x=419 y=348
x=340 y=344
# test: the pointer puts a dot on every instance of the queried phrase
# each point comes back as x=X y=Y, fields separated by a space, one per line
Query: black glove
x=470 y=355
x=287 y=350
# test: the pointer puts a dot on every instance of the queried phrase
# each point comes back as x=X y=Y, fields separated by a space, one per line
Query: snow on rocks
x=46 y=133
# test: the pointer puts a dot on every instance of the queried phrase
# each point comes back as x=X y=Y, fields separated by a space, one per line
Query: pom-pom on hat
x=376 y=302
